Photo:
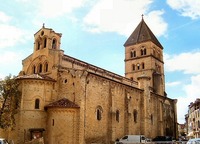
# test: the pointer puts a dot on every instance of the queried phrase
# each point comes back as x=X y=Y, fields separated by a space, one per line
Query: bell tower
x=46 y=56
x=46 y=38
x=144 y=57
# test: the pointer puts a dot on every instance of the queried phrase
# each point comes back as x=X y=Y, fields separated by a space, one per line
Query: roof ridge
x=142 y=33
x=62 y=103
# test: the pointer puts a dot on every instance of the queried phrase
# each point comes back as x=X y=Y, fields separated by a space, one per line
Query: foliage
x=10 y=100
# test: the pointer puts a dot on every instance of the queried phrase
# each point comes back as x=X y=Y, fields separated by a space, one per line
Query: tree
x=10 y=98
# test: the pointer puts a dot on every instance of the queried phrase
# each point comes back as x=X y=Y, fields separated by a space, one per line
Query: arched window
x=46 y=67
x=37 y=103
x=99 y=113
x=142 y=65
x=45 y=42
x=133 y=53
x=135 y=115
x=54 y=43
x=34 y=69
x=145 y=51
x=138 y=66
x=142 y=52
x=38 y=45
x=117 y=115
x=133 y=66
x=40 y=68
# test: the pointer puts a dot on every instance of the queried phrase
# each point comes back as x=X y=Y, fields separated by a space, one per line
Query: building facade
x=193 y=119
x=66 y=100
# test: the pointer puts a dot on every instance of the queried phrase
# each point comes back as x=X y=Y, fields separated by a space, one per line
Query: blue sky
x=95 y=31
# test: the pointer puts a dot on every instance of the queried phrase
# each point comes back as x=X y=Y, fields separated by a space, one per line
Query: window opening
x=45 y=42
x=38 y=45
x=133 y=53
x=142 y=52
x=117 y=115
x=37 y=104
x=142 y=65
x=54 y=44
x=52 y=122
x=40 y=68
x=98 y=114
x=46 y=67
x=138 y=66
x=133 y=67
x=135 y=116
x=145 y=51
x=34 y=69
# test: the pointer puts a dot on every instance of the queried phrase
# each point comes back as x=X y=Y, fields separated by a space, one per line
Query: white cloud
x=10 y=62
x=172 y=84
x=52 y=9
x=189 y=8
x=189 y=62
x=156 y=22
x=11 y=35
x=192 y=90
x=4 y=18
x=122 y=17
x=192 y=93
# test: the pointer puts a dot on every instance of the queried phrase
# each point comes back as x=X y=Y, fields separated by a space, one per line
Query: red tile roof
x=62 y=103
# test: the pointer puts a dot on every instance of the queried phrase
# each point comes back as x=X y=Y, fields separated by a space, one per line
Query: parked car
x=129 y=139
x=3 y=141
x=162 y=138
x=194 y=141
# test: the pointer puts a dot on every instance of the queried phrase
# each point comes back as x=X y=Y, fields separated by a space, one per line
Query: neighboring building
x=186 y=123
x=193 y=119
x=182 y=131
x=66 y=100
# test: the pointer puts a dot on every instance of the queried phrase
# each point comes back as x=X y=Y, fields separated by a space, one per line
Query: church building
x=68 y=101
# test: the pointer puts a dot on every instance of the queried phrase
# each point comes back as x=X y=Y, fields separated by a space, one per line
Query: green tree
x=10 y=99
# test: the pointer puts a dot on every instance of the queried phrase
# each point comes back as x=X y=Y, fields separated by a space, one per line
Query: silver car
x=194 y=141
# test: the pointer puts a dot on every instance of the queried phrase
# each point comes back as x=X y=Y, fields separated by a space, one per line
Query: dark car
x=162 y=138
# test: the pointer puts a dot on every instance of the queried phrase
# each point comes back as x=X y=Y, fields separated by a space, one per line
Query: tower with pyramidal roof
x=144 y=57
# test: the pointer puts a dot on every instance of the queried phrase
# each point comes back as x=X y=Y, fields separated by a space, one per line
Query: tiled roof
x=35 y=76
x=142 y=33
x=62 y=103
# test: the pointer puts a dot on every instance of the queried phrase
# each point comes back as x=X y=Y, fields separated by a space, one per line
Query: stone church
x=69 y=101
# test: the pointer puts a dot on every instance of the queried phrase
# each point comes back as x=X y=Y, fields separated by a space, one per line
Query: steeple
x=144 y=57
x=142 y=33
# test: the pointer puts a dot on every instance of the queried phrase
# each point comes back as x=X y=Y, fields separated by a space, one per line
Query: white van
x=128 y=139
